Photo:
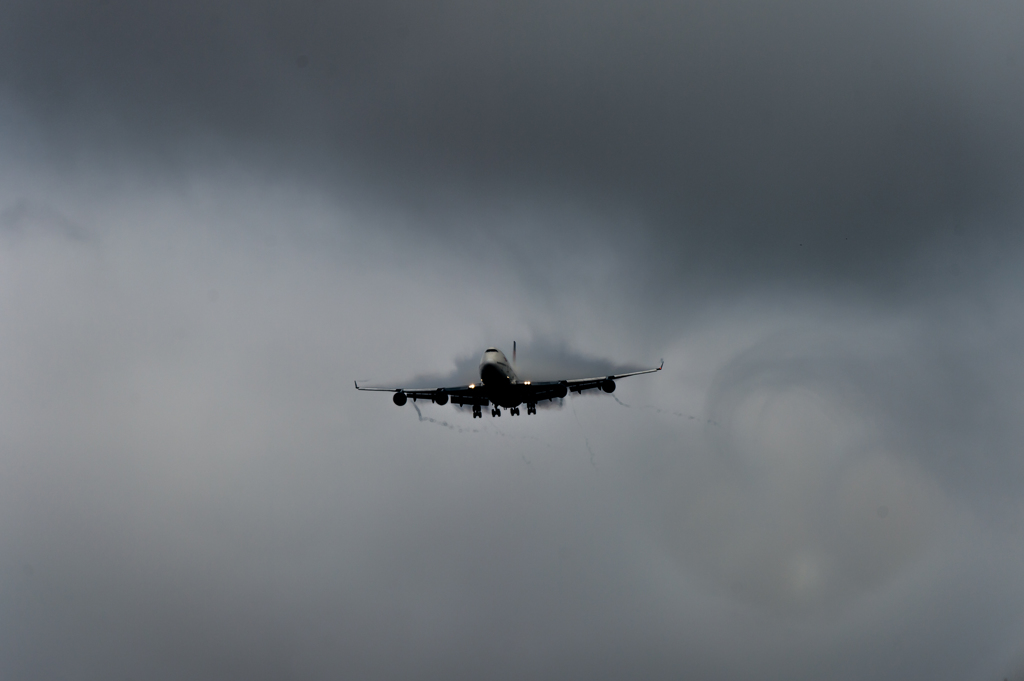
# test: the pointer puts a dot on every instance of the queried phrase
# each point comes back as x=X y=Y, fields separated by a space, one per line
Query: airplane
x=501 y=388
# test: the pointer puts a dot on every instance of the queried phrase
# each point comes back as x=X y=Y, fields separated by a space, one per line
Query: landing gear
x=496 y=411
x=476 y=412
x=514 y=411
x=530 y=409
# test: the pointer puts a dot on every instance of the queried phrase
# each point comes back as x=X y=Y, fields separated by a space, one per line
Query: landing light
x=472 y=385
x=526 y=383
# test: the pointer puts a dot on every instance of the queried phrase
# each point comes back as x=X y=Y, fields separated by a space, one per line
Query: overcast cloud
x=215 y=216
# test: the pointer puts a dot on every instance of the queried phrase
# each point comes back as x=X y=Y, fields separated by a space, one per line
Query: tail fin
x=513 y=353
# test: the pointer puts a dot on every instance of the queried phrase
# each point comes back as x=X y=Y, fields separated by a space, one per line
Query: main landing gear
x=514 y=411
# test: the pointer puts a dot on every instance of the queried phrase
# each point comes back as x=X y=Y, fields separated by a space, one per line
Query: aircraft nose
x=491 y=373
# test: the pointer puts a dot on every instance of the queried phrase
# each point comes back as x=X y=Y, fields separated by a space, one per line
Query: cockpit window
x=492 y=349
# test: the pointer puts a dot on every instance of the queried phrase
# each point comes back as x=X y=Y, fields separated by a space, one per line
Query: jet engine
x=441 y=397
x=608 y=386
x=401 y=399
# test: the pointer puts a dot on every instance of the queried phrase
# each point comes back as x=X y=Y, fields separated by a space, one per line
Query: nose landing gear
x=514 y=411
x=530 y=409
x=496 y=411
x=476 y=412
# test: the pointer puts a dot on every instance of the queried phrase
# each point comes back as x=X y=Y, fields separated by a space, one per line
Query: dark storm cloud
x=936 y=398
x=214 y=216
x=193 y=488
x=794 y=140
x=26 y=217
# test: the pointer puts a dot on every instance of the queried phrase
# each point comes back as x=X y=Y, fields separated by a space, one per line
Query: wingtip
x=662 y=365
x=356 y=384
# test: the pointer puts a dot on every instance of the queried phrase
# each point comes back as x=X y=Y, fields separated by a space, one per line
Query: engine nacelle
x=608 y=386
x=441 y=397
x=563 y=389
x=400 y=398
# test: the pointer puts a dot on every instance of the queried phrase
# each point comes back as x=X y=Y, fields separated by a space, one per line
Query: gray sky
x=215 y=216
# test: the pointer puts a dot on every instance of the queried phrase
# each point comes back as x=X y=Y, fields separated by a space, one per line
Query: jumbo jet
x=501 y=388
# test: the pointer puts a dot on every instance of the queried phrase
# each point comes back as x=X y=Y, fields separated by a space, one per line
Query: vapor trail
x=663 y=411
x=445 y=424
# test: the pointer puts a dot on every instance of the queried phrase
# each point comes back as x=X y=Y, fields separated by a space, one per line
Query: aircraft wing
x=460 y=394
x=550 y=389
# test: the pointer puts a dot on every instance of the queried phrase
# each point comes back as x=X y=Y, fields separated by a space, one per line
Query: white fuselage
x=496 y=371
